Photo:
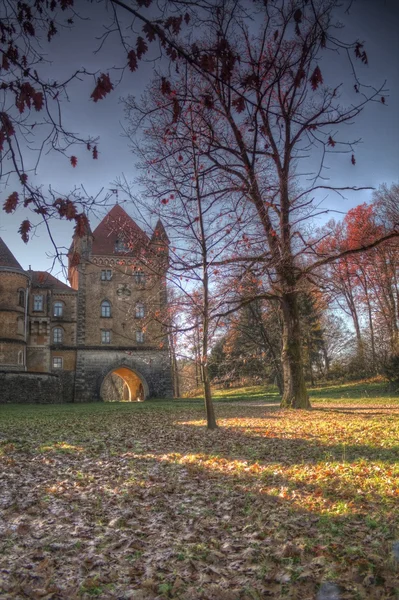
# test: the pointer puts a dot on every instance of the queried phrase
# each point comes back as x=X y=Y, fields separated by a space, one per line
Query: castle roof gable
x=118 y=234
x=42 y=279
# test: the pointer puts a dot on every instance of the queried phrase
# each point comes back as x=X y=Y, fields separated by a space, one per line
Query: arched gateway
x=122 y=384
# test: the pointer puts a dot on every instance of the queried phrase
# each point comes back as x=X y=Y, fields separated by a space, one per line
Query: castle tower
x=14 y=289
x=122 y=349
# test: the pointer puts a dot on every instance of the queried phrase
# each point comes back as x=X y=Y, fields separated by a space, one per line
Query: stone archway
x=122 y=384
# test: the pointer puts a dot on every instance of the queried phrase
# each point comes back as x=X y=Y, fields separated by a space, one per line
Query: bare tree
x=261 y=105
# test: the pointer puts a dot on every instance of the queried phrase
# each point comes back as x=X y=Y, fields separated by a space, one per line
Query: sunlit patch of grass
x=61 y=447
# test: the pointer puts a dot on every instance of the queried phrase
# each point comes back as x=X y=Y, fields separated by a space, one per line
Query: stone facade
x=102 y=338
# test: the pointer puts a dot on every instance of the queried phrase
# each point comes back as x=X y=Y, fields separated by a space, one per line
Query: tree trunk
x=209 y=409
x=295 y=394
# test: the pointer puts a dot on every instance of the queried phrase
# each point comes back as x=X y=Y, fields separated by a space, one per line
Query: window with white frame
x=57 y=335
x=57 y=362
x=105 y=336
x=105 y=308
x=37 y=302
x=106 y=275
x=139 y=277
x=58 y=309
x=140 y=310
x=140 y=337
x=20 y=357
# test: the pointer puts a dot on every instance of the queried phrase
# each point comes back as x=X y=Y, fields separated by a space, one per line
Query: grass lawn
x=141 y=502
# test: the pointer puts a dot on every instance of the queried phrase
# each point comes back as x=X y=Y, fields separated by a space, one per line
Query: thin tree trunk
x=295 y=394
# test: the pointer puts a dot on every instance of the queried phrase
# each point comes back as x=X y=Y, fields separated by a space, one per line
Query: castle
x=102 y=337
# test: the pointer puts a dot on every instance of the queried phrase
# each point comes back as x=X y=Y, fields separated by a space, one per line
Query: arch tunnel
x=123 y=385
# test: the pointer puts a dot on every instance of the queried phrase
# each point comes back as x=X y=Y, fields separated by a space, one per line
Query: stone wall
x=151 y=365
x=30 y=388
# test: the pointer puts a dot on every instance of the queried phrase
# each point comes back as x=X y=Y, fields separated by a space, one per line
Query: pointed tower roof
x=160 y=233
x=118 y=234
x=7 y=259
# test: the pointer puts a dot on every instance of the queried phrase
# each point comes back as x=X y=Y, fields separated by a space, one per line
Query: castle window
x=57 y=362
x=106 y=275
x=37 y=302
x=105 y=308
x=20 y=357
x=58 y=309
x=140 y=337
x=57 y=335
x=20 y=326
x=105 y=336
x=139 y=310
x=139 y=277
x=21 y=298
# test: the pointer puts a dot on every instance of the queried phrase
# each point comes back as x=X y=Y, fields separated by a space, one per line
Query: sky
x=376 y=22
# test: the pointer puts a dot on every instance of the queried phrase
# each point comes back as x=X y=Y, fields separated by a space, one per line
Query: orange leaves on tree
x=353 y=159
x=132 y=60
x=174 y=24
x=239 y=104
x=331 y=142
x=103 y=87
x=164 y=200
x=66 y=208
x=95 y=153
x=166 y=88
x=24 y=230
x=361 y=54
x=7 y=126
x=11 y=203
x=74 y=161
x=141 y=47
x=150 y=32
x=316 y=78
x=176 y=110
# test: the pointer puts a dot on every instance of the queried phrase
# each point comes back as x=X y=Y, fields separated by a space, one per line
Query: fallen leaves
x=140 y=502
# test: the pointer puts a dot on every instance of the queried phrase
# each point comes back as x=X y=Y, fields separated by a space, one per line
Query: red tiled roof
x=42 y=279
x=118 y=226
x=7 y=259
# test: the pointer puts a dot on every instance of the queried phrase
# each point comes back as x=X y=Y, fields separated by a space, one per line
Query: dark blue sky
x=374 y=21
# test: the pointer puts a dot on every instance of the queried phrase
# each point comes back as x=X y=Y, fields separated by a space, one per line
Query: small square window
x=57 y=362
x=37 y=302
x=106 y=275
x=105 y=336
x=140 y=337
